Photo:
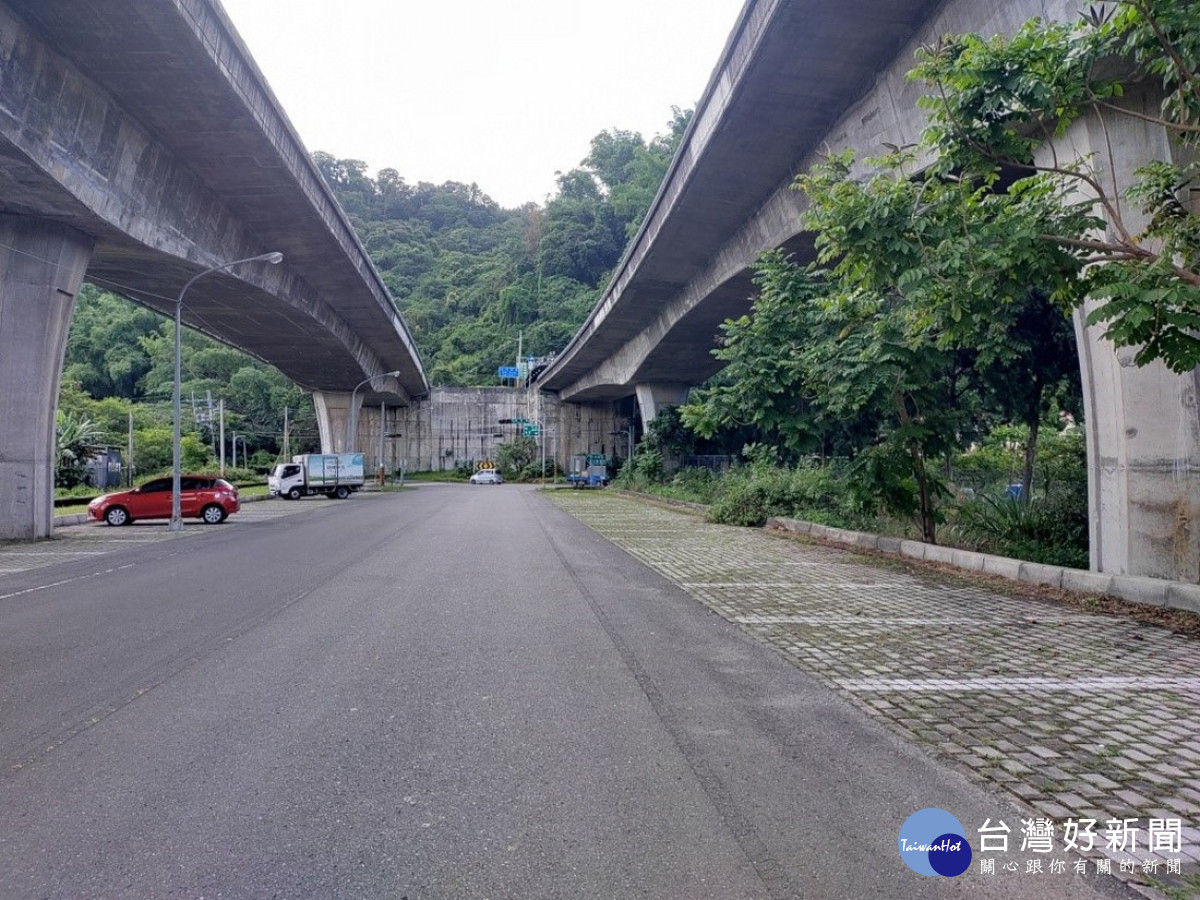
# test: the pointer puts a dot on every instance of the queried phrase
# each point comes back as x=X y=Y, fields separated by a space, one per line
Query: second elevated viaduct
x=798 y=78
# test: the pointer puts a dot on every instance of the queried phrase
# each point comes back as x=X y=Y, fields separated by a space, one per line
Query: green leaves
x=996 y=102
x=76 y=438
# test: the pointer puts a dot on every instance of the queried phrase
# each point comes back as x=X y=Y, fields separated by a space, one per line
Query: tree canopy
x=998 y=108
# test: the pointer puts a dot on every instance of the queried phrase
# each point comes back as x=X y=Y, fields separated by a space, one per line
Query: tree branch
x=1186 y=77
x=1155 y=120
x=1116 y=252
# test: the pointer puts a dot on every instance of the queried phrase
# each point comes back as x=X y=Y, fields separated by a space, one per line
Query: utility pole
x=382 y=420
x=221 y=440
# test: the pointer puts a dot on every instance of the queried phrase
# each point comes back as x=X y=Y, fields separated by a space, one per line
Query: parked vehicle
x=205 y=497
x=588 y=471
x=336 y=475
x=486 y=476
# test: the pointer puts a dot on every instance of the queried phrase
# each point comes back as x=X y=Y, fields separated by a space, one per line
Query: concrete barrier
x=967 y=559
x=1140 y=590
x=1003 y=566
x=1086 y=582
x=1036 y=573
x=1183 y=596
x=1151 y=591
x=939 y=554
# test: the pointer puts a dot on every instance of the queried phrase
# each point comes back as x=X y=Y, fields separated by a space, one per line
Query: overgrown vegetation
x=985 y=511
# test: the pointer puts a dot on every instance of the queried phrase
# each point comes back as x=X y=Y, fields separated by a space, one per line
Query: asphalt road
x=454 y=692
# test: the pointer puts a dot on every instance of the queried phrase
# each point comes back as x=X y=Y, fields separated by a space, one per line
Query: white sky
x=502 y=93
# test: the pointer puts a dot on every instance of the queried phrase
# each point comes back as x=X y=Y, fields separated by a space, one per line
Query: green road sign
x=531 y=431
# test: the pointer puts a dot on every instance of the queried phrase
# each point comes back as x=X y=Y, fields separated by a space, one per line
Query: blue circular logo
x=933 y=842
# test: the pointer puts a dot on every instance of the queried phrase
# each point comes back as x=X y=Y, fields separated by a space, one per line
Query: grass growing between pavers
x=1073 y=711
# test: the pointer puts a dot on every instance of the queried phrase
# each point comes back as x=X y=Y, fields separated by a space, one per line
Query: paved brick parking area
x=1078 y=716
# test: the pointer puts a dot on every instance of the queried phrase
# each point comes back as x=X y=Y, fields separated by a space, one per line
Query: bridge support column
x=653 y=398
x=1143 y=444
x=333 y=418
x=41 y=267
x=1143 y=423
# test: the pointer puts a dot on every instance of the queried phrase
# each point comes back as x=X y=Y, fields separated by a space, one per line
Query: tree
x=76 y=439
x=970 y=266
x=631 y=198
x=997 y=107
x=765 y=382
x=819 y=365
x=514 y=456
x=612 y=156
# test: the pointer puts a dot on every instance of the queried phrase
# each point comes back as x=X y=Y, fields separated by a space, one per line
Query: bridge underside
x=144 y=133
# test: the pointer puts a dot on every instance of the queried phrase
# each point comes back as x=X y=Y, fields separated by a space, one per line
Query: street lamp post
x=274 y=258
x=628 y=432
x=352 y=418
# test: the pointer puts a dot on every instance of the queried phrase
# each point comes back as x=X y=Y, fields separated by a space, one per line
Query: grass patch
x=435 y=477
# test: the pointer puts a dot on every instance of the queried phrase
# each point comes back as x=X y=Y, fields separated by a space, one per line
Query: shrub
x=819 y=495
x=1052 y=529
x=753 y=495
x=695 y=484
x=533 y=471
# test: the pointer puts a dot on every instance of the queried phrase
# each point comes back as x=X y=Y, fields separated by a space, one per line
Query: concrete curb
x=1151 y=591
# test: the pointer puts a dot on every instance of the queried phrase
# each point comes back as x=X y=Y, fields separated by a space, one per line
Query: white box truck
x=332 y=474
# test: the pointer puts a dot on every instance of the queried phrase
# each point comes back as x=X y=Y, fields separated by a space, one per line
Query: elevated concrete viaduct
x=797 y=78
x=140 y=146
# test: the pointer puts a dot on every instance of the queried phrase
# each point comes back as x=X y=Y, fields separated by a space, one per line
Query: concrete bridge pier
x=41 y=267
x=652 y=398
x=1143 y=422
x=333 y=418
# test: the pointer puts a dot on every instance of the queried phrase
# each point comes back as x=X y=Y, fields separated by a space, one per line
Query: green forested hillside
x=471 y=278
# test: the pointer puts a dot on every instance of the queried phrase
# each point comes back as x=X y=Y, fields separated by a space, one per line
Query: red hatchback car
x=204 y=497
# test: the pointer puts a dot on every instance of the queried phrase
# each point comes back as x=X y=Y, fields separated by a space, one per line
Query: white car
x=487 y=476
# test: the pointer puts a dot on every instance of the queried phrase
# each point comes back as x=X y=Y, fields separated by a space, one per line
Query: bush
x=819 y=495
x=754 y=494
x=515 y=457
x=694 y=484
x=534 y=472
x=241 y=476
x=1052 y=529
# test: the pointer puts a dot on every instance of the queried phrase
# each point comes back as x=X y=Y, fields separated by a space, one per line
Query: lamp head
x=274 y=258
